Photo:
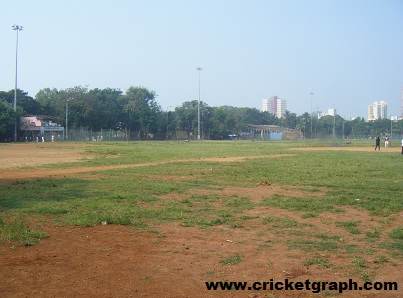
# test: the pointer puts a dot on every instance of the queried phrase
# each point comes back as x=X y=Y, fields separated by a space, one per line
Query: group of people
x=387 y=144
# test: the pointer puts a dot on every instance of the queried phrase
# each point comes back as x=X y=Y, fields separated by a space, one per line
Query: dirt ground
x=169 y=260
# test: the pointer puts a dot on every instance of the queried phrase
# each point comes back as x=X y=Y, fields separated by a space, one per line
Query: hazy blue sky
x=349 y=53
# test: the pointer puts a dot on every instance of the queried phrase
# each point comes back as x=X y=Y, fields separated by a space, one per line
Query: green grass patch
x=231 y=260
x=396 y=233
x=381 y=260
x=17 y=230
x=350 y=226
x=320 y=262
x=311 y=245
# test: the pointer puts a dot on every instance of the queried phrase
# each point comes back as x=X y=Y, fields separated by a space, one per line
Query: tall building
x=281 y=107
x=275 y=106
x=265 y=105
x=378 y=110
x=331 y=112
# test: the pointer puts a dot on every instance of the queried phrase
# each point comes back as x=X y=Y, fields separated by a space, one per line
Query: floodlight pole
x=67 y=117
x=16 y=28
x=311 y=114
x=168 y=122
x=334 y=125
x=67 y=112
x=199 y=69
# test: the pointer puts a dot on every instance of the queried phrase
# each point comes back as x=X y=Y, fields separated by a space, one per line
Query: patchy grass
x=182 y=183
x=350 y=226
x=396 y=233
x=17 y=230
x=322 y=263
x=231 y=260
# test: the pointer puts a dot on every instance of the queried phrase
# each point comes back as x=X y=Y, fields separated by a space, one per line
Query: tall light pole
x=391 y=126
x=67 y=117
x=16 y=28
x=311 y=114
x=199 y=69
x=168 y=122
x=334 y=126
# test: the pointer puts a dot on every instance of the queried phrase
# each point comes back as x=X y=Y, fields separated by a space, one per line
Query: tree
x=222 y=122
x=289 y=120
x=303 y=122
x=50 y=102
x=107 y=108
x=187 y=116
x=28 y=104
x=7 y=120
x=142 y=110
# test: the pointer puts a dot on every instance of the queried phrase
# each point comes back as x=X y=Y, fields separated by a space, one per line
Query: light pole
x=311 y=114
x=391 y=126
x=67 y=117
x=199 y=69
x=16 y=28
x=334 y=127
x=168 y=122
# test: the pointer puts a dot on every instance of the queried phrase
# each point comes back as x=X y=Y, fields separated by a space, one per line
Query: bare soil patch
x=170 y=260
x=15 y=156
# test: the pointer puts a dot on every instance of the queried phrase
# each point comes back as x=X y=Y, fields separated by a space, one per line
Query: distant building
x=265 y=105
x=377 y=110
x=33 y=128
x=275 y=106
x=317 y=114
x=281 y=107
x=330 y=112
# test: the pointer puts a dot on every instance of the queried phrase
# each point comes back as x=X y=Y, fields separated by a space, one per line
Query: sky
x=348 y=53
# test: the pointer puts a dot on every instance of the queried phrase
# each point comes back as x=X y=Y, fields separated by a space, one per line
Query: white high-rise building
x=281 y=107
x=265 y=105
x=275 y=106
x=378 y=110
x=331 y=112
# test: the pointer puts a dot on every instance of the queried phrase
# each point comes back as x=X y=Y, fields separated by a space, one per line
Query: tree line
x=137 y=110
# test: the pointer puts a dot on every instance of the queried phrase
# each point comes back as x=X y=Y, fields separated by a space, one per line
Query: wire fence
x=85 y=134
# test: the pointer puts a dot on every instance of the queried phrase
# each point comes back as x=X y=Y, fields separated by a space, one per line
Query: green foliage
x=142 y=110
x=138 y=110
x=7 y=120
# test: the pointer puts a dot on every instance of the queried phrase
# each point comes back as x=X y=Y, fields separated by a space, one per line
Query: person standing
x=402 y=145
x=378 y=143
